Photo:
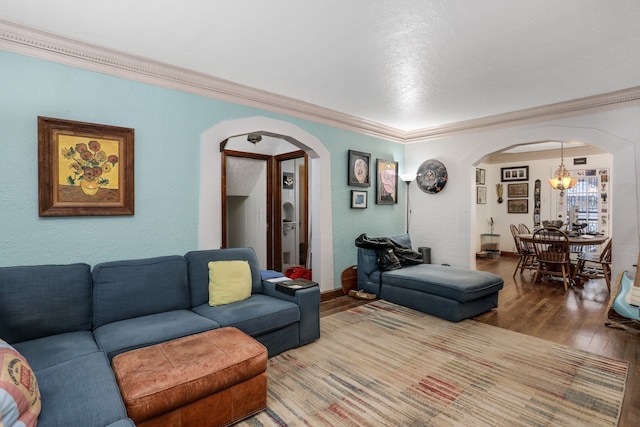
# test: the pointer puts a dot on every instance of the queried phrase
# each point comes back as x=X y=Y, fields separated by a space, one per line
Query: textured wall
x=168 y=128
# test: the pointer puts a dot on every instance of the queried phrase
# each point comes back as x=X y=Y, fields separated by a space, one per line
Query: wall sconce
x=499 y=190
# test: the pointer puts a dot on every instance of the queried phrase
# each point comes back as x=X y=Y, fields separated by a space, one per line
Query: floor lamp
x=408 y=178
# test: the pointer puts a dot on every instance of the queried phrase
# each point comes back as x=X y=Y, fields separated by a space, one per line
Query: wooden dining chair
x=525 y=254
x=551 y=247
x=595 y=266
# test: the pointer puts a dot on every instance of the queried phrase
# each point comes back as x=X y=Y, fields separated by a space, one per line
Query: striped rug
x=385 y=365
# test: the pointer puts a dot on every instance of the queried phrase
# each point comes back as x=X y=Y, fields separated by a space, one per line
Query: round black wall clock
x=431 y=176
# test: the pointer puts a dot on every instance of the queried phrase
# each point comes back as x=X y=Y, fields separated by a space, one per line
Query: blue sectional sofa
x=451 y=293
x=69 y=321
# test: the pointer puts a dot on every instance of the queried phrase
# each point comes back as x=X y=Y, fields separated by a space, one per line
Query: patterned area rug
x=385 y=365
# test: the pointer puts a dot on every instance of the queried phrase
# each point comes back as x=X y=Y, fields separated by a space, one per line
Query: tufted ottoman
x=212 y=378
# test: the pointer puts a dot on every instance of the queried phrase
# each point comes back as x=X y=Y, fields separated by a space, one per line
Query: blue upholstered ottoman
x=448 y=292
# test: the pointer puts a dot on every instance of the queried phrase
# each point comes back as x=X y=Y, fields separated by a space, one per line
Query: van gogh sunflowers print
x=89 y=164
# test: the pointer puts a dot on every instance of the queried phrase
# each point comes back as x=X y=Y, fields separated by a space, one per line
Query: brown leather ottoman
x=214 y=378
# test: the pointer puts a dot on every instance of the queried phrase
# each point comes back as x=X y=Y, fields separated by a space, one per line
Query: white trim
x=43 y=45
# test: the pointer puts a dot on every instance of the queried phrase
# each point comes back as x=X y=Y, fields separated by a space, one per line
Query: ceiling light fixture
x=561 y=179
x=254 y=138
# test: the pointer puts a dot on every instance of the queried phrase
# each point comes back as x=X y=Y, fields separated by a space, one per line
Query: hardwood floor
x=574 y=318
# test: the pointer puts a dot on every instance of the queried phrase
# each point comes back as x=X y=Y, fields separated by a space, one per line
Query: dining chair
x=551 y=247
x=523 y=229
x=595 y=266
x=526 y=255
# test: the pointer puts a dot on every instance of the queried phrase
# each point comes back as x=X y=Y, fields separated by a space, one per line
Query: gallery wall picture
x=517 y=173
x=387 y=183
x=84 y=169
x=518 y=190
x=481 y=195
x=358 y=171
x=536 y=203
x=518 y=206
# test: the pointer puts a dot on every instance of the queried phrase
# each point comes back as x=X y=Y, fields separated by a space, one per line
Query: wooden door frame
x=277 y=214
x=269 y=208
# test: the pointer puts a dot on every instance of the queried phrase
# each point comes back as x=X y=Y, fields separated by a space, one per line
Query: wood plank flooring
x=544 y=310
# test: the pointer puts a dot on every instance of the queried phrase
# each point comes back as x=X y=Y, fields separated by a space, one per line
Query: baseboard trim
x=332 y=294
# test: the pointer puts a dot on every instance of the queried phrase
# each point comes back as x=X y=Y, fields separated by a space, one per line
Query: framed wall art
x=518 y=173
x=359 y=199
x=481 y=195
x=359 y=168
x=480 y=173
x=518 y=206
x=387 y=186
x=518 y=190
x=84 y=169
x=287 y=180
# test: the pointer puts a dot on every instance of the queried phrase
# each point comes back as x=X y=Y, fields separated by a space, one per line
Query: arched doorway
x=321 y=228
x=624 y=225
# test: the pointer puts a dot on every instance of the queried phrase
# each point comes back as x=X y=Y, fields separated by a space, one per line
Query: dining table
x=577 y=242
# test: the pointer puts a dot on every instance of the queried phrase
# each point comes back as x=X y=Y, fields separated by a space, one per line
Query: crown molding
x=544 y=154
x=43 y=45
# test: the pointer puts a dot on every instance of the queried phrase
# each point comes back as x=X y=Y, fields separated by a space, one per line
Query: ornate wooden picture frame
x=518 y=206
x=518 y=190
x=84 y=169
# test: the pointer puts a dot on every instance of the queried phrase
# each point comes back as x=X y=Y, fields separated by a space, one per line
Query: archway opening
x=210 y=221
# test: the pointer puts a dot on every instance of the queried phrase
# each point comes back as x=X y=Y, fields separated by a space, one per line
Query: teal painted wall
x=168 y=125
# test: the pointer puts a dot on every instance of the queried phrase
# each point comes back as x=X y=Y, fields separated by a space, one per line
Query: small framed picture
x=287 y=181
x=518 y=206
x=481 y=195
x=359 y=168
x=387 y=188
x=480 y=176
x=359 y=199
x=517 y=173
x=518 y=190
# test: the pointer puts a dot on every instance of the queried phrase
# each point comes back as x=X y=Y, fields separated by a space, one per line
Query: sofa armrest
x=308 y=301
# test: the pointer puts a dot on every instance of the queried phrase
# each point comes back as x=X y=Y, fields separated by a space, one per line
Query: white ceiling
x=407 y=64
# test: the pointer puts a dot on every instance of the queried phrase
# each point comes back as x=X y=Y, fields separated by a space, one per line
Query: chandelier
x=561 y=179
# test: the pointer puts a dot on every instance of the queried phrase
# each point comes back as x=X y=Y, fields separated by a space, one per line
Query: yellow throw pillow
x=229 y=281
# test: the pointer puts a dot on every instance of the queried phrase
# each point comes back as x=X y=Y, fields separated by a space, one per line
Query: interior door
x=265 y=206
x=247 y=213
x=291 y=239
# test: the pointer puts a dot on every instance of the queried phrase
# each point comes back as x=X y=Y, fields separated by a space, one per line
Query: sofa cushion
x=198 y=262
x=253 y=316
x=81 y=392
x=133 y=288
x=368 y=268
x=19 y=394
x=229 y=281
x=124 y=335
x=454 y=283
x=55 y=349
x=37 y=301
